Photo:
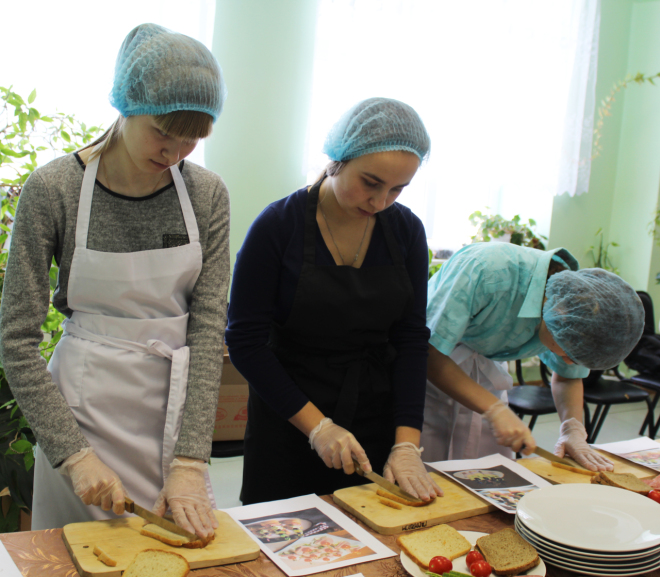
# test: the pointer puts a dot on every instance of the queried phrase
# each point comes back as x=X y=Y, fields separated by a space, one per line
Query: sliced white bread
x=621 y=480
x=173 y=539
x=507 y=552
x=422 y=546
x=157 y=563
x=107 y=554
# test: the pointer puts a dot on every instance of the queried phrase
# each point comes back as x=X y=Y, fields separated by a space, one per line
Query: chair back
x=649 y=320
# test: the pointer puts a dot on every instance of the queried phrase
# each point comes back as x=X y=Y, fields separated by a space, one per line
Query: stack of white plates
x=592 y=529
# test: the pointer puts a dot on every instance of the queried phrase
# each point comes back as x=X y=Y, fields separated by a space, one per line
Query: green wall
x=266 y=50
x=623 y=189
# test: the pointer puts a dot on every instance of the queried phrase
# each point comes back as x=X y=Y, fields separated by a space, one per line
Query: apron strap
x=85 y=201
x=309 y=250
x=392 y=245
x=186 y=205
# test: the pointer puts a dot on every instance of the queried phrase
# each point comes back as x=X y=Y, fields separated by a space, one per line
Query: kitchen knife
x=385 y=484
x=552 y=457
x=132 y=507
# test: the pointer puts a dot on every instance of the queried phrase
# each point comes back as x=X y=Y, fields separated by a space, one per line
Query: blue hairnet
x=377 y=125
x=159 y=71
x=594 y=316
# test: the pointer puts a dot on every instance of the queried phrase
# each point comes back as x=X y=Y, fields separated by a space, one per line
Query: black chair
x=603 y=393
x=647 y=378
x=222 y=449
x=533 y=400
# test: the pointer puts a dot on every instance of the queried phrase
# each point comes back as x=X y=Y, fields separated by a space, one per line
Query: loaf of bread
x=173 y=539
x=622 y=480
x=507 y=552
x=422 y=546
x=157 y=563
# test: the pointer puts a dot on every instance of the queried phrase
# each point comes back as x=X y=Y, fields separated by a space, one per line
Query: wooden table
x=42 y=553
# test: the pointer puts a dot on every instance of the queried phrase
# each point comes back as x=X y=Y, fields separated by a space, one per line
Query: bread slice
x=507 y=552
x=621 y=480
x=173 y=539
x=107 y=554
x=422 y=546
x=157 y=563
x=396 y=498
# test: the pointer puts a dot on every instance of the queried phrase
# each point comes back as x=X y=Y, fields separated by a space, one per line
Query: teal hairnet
x=594 y=316
x=377 y=125
x=159 y=71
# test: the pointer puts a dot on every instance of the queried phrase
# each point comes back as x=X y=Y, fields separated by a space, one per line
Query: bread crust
x=104 y=556
x=175 y=540
x=626 y=481
x=482 y=547
x=396 y=498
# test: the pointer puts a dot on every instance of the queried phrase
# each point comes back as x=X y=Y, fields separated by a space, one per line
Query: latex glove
x=185 y=493
x=337 y=447
x=573 y=441
x=508 y=429
x=405 y=466
x=94 y=482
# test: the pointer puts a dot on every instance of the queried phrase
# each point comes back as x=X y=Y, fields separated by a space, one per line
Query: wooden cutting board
x=557 y=475
x=231 y=545
x=457 y=503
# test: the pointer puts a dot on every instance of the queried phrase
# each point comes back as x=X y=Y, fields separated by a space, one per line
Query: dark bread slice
x=622 y=481
x=507 y=552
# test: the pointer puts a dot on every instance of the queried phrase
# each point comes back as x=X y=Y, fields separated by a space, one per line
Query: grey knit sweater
x=45 y=226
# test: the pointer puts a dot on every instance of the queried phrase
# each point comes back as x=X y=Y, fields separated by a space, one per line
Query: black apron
x=335 y=346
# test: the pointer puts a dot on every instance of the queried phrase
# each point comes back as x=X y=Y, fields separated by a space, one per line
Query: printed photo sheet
x=495 y=478
x=306 y=535
x=642 y=451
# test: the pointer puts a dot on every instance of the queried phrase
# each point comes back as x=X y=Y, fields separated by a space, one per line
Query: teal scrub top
x=489 y=296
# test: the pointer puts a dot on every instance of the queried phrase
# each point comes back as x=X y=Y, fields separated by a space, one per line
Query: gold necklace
x=107 y=180
x=341 y=256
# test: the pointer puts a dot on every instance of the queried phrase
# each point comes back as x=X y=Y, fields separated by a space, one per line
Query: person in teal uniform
x=494 y=302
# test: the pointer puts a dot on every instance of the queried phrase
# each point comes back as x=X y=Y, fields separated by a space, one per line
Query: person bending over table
x=494 y=302
x=327 y=318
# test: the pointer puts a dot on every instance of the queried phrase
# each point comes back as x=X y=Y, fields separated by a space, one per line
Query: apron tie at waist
x=369 y=365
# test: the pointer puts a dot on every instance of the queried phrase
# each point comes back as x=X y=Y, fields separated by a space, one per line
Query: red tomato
x=440 y=565
x=480 y=569
x=655 y=495
x=473 y=556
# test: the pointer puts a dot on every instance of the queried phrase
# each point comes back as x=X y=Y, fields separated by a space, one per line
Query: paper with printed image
x=643 y=451
x=495 y=478
x=306 y=535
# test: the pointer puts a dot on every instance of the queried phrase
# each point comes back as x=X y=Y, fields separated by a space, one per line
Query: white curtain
x=67 y=49
x=505 y=88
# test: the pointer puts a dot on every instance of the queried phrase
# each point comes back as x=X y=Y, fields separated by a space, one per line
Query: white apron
x=451 y=431
x=122 y=363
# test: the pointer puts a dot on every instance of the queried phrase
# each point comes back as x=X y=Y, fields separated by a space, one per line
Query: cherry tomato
x=480 y=569
x=655 y=495
x=473 y=556
x=440 y=565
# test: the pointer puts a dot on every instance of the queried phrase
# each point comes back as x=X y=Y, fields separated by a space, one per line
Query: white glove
x=185 y=493
x=337 y=447
x=573 y=441
x=94 y=482
x=405 y=466
x=508 y=429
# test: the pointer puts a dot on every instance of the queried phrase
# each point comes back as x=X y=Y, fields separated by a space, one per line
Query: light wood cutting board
x=231 y=545
x=556 y=475
x=457 y=503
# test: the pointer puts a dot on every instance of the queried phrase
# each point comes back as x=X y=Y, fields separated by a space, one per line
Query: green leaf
x=32 y=96
x=19 y=446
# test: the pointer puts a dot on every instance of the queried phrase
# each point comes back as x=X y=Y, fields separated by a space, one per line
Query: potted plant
x=24 y=134
x=496 y=227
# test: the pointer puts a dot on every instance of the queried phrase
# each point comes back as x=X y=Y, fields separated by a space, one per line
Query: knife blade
x=385 y=484
x=552 y=457
x=132 y=507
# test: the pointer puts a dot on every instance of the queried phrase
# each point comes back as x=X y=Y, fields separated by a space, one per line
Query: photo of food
x=648 y=458
x=322 y=549
x=506 y=499
x=497 y=477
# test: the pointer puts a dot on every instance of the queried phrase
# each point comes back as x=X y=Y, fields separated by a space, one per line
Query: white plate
x=459 y=563
x=618 y=560
x=569 y=567
x=592 y=517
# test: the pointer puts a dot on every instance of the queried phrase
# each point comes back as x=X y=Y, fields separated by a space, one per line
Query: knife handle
x=358 y=469
x=129 y=505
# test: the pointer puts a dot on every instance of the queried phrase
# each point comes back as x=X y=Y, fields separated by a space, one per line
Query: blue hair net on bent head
x=377 y=125
x=159 y=71
x=594 y=316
